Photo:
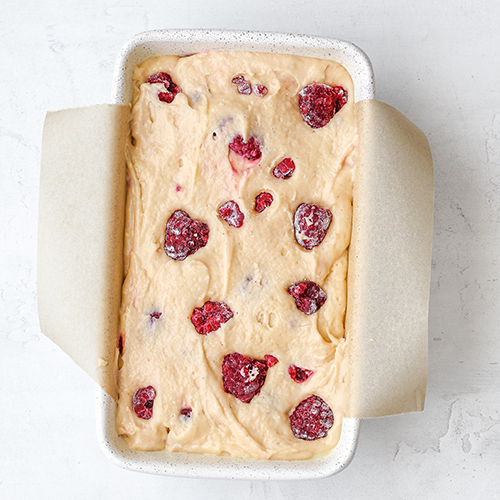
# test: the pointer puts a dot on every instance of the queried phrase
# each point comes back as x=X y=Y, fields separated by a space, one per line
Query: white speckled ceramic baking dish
x=184 y=42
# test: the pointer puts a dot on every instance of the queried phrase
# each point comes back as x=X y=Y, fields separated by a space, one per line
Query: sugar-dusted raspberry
x=271 y=360
x=184 y=236
x=231 y=213
x=284 y=169
x=298 y=374
x=186 y=412
x=318 y=103
x=262 y=201
x=309 y=297
x=259 y=90
x=238 y=79
x=210 y=317
x=243 y=376
x=161 y=77
x=142 y=402
x=171 y=89
x=249 y=150
x=311 y=224
x=311 y=419
x=244 y=86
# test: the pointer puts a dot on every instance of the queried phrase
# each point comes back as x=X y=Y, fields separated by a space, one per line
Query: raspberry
x=161 y=77
x=186 y=412
x=243 y=376
x=309 y=297
x=210 y=317
x=259 y=90
x=154 y=316
x=244 y=86
x=231 y=213
x=284 y=169
x=169 y=96
x=311 y=419
x=250 y=150
x=318 y=103
x=299 y=374
x=262 y=201
x=311 y=224
x=271 y=360
x=184 y=236
x=142 y=402
x=171 y=89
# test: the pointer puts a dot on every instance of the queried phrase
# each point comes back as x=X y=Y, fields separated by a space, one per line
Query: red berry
x=186 y=412
x=161 y=77
x=171 y=89
x=244 y=86
x=259 y=90
x=231 y=213
x=299 y=374
x=318 y=103
x=262 y=201
x=271 y=360
x=210 y=317
x=309 y=297
x=154 y=316
x=168 y=97
x=249 y=150
x=284 y=169
x=238 y=79
x=243 y=376
x=311 y=419
x=142 y=402
x=184 y=236
x=311 y=224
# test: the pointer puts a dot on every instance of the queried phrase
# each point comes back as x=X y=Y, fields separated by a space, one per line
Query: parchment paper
x=81 y=216
x=80 y=234
x=389 y=264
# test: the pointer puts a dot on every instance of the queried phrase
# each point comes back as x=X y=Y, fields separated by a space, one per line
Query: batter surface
x=198 y=141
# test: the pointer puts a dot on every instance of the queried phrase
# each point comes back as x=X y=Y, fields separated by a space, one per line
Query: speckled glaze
x=210 y=466
x=184 y=42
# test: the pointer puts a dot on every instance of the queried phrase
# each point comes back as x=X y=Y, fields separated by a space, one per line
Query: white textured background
x=436 y=61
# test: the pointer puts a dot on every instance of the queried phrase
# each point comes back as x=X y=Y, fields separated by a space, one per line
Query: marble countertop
x=437 y=62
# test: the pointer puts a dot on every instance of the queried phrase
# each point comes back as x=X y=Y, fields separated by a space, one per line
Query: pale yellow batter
x=179 y=159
